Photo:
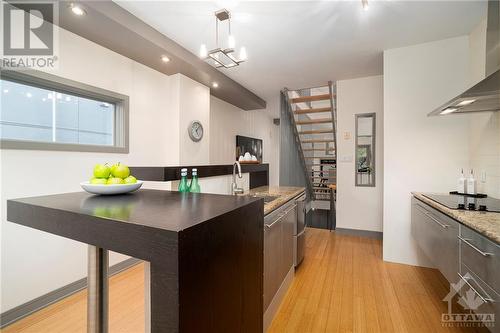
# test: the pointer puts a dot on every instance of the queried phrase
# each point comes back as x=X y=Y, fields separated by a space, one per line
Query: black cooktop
x=458 y=201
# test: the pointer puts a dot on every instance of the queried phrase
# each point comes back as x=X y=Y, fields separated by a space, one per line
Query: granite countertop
x=485 y=223
x=283 y=194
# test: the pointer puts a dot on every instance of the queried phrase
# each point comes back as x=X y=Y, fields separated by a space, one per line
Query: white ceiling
x=301 y=44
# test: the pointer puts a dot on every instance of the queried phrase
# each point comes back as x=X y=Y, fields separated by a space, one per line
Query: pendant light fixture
x=223 y=56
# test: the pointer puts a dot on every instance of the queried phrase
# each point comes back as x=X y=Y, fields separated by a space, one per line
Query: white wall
x=359 y=207
x=194 y=104
x=227 y=121
x=420 y=153
x=484 y=152
x=477 y=52
x=33 y=262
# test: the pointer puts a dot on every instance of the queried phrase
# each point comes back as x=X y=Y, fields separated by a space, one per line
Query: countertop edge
x=27 y=202
x=281 y=204
x=465 y=217
x=284 y=193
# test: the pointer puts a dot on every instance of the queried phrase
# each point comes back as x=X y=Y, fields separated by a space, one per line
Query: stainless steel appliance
x=284 y=244
x=299 y=231
x=278 y=249
x=458 y=201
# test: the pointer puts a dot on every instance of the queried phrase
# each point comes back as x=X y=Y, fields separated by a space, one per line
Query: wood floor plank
x=343 y=285
x=126 y=304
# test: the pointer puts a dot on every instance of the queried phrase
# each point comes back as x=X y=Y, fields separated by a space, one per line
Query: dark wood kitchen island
x=204 y=253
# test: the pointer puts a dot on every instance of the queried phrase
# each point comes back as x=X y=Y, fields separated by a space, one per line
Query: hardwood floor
x=126 y=304
x=342 y=286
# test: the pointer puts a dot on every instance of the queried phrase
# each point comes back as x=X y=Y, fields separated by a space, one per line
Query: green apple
x=101 y=171
x=99 y=181
x=114 y=181
x=120 y=170
x=130 y=180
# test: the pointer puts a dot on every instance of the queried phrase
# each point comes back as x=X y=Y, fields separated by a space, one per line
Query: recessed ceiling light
x=215 y=84
x=165 y=58
x=448 y=110
x=77 y=10
x=466 y=102
x=5 y=91
x=29 y=95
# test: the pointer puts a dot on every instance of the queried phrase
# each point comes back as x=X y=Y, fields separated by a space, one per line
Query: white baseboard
x=10 y=316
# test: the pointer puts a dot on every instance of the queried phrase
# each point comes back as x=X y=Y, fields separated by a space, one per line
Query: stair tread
x=314 y=121
x=319 y=157
x=318 y=149
x=310 y=98
x=323 y=177
x=313 y=110
x=319 y=164
x=316 y=131
x=318 y=140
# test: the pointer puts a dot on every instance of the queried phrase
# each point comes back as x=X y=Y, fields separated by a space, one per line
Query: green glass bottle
x=194 y=187
x=183 y=184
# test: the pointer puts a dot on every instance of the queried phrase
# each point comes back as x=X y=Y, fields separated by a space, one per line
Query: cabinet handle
x=290 y=209
x=467 y=241
x=444 y=226
x=269 y=226
x=486 y=299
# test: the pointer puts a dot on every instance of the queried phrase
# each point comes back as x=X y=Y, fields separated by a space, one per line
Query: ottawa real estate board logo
x=29 y=35
x=472 y=300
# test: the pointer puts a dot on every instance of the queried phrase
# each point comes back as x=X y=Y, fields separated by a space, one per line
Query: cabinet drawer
x=437 y=236
x=481 y=256
x=272 y=260
x=488 y=300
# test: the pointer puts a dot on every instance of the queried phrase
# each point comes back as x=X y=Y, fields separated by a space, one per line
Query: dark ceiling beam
x=111 y=26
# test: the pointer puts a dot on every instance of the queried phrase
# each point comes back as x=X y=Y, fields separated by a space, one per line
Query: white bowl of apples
x=111 y=180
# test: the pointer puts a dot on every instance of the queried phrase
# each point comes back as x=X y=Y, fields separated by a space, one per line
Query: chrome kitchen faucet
x=234 y=187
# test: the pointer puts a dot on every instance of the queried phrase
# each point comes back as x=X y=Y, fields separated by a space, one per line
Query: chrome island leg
x=97 y=290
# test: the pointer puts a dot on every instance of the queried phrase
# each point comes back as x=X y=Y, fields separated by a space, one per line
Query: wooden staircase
x=312 y=112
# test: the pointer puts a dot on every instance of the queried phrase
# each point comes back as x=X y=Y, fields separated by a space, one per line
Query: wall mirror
x=365 y=149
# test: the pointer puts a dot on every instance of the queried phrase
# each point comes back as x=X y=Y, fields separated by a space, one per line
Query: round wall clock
x=195 y=131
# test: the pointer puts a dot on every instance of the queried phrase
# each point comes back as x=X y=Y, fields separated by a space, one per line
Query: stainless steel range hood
x=485 y=95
